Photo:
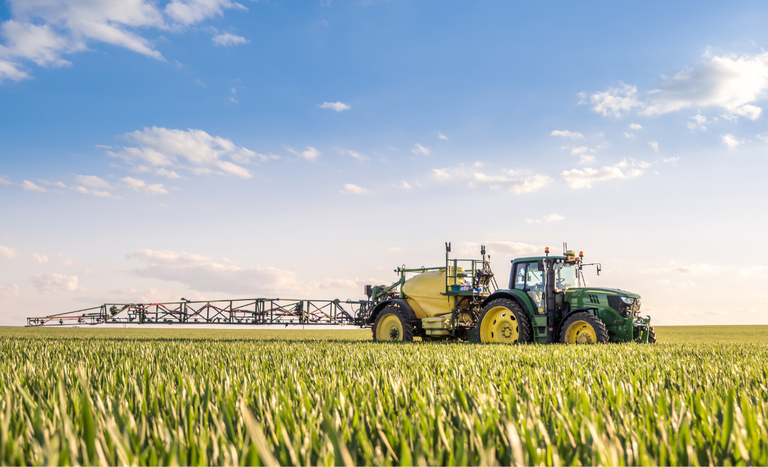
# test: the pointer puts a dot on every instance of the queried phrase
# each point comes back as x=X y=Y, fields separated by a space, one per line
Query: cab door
x=528 y=278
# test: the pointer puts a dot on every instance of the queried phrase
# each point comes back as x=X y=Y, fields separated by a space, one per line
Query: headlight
x=628 y=300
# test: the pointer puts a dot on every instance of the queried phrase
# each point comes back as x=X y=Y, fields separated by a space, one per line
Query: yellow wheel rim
x=389 y=328
x=499 y=325
x=580 y=332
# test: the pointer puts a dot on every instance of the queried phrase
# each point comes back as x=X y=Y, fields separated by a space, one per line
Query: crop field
x=236 y=397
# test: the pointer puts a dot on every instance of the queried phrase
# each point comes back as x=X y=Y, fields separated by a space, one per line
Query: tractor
x=547 y=301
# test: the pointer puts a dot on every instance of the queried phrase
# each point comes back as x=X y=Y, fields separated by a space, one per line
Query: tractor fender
x=507 y=294
x=410 y=315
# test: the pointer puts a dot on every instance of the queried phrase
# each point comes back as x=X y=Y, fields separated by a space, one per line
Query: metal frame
x=252 y=312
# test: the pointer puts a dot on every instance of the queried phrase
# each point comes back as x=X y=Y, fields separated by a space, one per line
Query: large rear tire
x=391 y=326
x=503 y=321
x=583 y=328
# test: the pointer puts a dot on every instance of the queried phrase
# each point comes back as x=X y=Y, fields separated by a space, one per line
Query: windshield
x=566 y=276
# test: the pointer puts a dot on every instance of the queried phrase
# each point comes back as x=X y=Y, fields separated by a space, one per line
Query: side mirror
x=599 y=268
x=541 y=265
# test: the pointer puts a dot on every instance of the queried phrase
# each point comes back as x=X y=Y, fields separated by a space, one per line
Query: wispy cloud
x=548 y=218
x=350 y=189
x=142 y=186
x=567 y=134
x=731 y=141
x=42 y=32
x=310 y=154
x=731 y=82
x=164 y=151
x=419 y=149
x=55 y=283
x=26 y=185
x=337 y=106
x=584 y=178
x=504 y=179
x=227 y=40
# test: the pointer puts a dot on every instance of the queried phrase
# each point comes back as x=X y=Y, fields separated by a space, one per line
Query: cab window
x=534 y=278
x=519 y=276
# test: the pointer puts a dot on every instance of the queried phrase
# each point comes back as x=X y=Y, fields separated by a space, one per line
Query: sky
x=209 y=149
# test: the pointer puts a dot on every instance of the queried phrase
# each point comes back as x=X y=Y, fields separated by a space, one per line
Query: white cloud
x=553 y=218
x=350 y=189
x=567 y=134
x=206 y=274
x=507 y=179
x=514 y=183
x=419 y=149
x=635 y=126
x=227 y=39
x=98 y=193
x=337 y=106
x=55 y=283
x=615 y=102
x=404 y=185
x=441 y=174
x=358 y=156
x=654 y=145
x=731 y=82
x=442 y=136
x=9 y=253
x=730 y=140
x=670 y=159
x=189 y=12
x=42 y=31
x=164 y=151
x=13 y=291
x=40 y=258
x=698 y=122
x=92 y=181
x=11 y=71
x=584 y=178
x=628 y=135
x=549 y=218
x=50 y=183
x=579 y=150
x=142 y=186
x=586 y=159
x=26 y=185
x=311 y=154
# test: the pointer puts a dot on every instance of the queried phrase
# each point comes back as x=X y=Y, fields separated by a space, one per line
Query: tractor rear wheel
x=651 y=335
x=583 y=328
x=391 y=326
x=503 y=321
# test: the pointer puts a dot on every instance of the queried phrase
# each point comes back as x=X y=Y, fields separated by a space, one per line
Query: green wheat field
x=306 y=397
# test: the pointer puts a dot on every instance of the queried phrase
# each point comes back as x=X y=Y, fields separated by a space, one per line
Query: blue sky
x=210 y=149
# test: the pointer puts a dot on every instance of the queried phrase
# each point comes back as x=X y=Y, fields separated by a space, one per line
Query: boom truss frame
x=249 y=312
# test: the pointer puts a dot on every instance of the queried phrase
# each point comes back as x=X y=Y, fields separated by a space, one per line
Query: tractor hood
x=622 y=293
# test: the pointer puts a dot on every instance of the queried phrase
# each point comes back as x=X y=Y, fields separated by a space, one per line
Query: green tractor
x=547 y=301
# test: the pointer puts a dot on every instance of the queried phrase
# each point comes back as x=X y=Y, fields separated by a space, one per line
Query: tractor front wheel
x=583 y=328
x=504 y=321
x=391 y=326
x=651 y=335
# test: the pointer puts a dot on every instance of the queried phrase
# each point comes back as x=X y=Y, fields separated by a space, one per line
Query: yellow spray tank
x=426 y=293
